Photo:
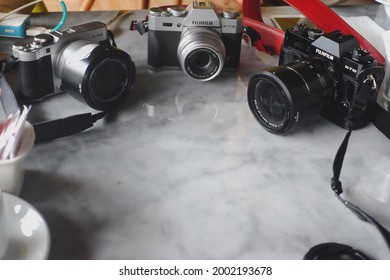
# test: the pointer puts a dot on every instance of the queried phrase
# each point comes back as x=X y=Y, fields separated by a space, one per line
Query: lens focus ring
x=201 y=53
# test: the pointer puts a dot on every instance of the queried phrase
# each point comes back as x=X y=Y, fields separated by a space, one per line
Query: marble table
x=182 y=170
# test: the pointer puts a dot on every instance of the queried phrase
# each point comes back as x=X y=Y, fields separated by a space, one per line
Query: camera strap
x=316 y=11
x=336 y=186
x=381 y=120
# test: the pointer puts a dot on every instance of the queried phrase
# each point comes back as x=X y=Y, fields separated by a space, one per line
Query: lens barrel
x=284 y=98
x=201 y=53
x=101 y=76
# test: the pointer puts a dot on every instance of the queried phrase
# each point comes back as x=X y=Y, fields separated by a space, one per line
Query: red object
x=271 y=37
x=316 y=11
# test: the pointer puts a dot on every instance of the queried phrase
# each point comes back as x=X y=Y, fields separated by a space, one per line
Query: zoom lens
x=201 y=53
x=284 y=98
x=108 y=79
x=101 y=76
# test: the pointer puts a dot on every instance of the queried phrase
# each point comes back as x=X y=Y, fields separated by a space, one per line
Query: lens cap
x=334 y=251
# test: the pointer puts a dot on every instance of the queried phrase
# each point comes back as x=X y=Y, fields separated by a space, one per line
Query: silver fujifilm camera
x=197 y=38
x=80 y=61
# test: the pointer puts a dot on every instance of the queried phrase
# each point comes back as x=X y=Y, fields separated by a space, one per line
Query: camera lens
x=284 y=98
x=101 y=76
x=201 y=53
x=107 y=79
x=201 y=61
x=272 y=102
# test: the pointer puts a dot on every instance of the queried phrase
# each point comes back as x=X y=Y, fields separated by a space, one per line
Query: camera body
x=349 y=101
x=197 y=39
x=76 y=60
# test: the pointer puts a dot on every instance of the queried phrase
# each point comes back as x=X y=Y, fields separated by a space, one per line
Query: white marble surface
x=207 y=182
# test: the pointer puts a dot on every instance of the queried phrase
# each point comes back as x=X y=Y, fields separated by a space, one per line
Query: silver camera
x=197 y=39
x=80 y=60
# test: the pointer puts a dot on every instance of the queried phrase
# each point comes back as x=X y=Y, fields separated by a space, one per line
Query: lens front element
x=272 y=102
x=269 y=103
x=202 y=63
x=108 y=79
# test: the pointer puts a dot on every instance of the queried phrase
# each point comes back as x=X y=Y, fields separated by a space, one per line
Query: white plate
x=28 y=231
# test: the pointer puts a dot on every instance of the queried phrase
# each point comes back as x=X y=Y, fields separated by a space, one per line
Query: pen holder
x=12 y=170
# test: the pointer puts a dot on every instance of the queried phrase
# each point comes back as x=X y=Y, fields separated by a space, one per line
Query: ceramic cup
x=12 y=170
x=3 y=231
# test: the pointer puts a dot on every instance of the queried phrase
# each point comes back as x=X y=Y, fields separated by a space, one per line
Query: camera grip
x=35 y=78
x=162 y=47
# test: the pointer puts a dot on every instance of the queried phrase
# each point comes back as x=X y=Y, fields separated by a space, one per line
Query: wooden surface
x=76 y=5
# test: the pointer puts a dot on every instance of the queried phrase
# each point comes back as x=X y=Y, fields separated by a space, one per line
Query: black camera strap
x=55 y=129
x=337 y=188
x=365 y=95
x=381 y=120
x=369 y=87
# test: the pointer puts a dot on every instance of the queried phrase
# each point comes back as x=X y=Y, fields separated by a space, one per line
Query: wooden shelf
x=75 y=5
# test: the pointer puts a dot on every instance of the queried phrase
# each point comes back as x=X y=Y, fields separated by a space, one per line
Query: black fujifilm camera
x=318 y=74
x=197 y=39
x=80 y=60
